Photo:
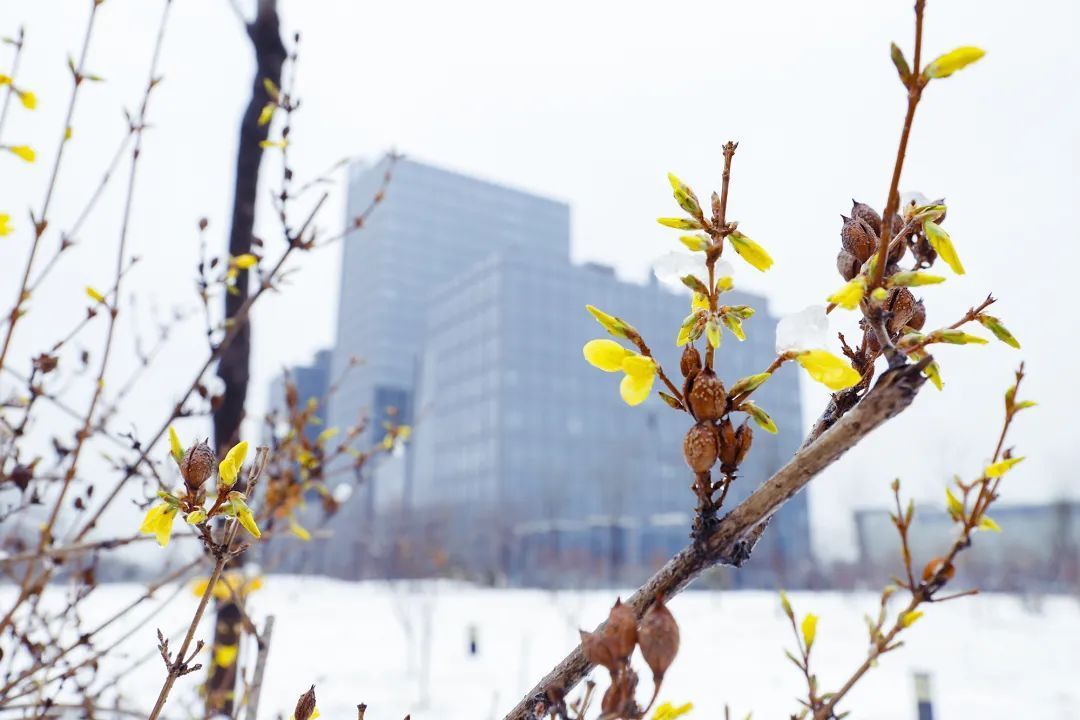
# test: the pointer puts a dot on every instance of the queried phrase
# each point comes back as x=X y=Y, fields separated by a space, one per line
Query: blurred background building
x=524 y=465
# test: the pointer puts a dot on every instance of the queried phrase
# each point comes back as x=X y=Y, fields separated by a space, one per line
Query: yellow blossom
x=908 y=619
x=849 y=296
x=23 y=151
x=246 y=518
x=159 y=521
x=267 y=113
x=667 y=711
x=695 y=243
x=987 y=523
x=639 y=371
x=274 y=144
x=750 y=251
x=245 y=261
x=195 y=517
x=27 y=98
x=831 y=371
x=229 y=468
x=229 y=583
x=700 y=301
x=225 y=655
x=5 y=224
x=942 y=244
x=945 y=65
x=175 y=447
x=679 y=223
x=809 y=629
x=94 y=295
x=1001 y=467
x=298 y=530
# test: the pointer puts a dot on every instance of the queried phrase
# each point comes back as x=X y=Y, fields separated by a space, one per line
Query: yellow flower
x=298 y=530
x=159 y=521
x=987 y=523
x=831 y=371
x=639 y=371
x=245 y=261
x=225 y=655
x=679 y=223
x=230 y=582
x=175 y=447
x=5 y=224
x=274 y=144
x=615 y=326
x=5 y=79
x=195 y=517
x=28 y=99
x=700 y=301
x=94 y=295
x=229 y=468
x=945 y=65
x=246 y=518
x=695 y=243
x=667 y=711
x=849 y=296
x=1001 y=467
x=267 y=113
x=909 y=618
x=750 y=251
x=942 y=244
x=809 y=629
x=23 y=151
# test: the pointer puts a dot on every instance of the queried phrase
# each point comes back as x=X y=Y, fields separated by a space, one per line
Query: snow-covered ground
x=403 y=648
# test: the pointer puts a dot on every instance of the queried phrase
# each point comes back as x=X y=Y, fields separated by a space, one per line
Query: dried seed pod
x=935 y=566
x=729 y=444
x=197 y=465
x=305 y=706
x=700 y=447
x=862 y=211
x=596 y=650
x=918 y=316
x=620 y=632
x=744 y=436
x=901 y=304
x=847 y=264
x=858 y=238
x=690 y=362
x=707 y=396
x=658 y=638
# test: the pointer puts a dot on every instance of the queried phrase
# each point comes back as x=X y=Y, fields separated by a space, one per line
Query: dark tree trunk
x=234 y=366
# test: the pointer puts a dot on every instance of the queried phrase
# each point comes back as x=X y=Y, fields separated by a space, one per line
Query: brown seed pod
x=858 y=238
x=305 y=706
x=918 y=316
x=620 y=632
x=658 y=638
x=707 y=396
x=901 y=304
x=729 y=444
x=847 y=264
x=700 y=447
x=745 y=438
x=935 y=566
x=862 y=211
x=596 y=650
x=690 y=362
x=197 y=465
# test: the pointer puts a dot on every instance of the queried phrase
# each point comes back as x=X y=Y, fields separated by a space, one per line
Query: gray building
x=524 y=464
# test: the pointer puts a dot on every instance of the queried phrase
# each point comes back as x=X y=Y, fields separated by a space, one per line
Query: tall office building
x=525 y=464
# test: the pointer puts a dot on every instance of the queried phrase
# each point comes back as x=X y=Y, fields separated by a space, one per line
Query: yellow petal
x=267 y=113
x=987 y=523
x=750 y=251
x=908 y=619
x=245 y=261
x=243 y=514
x=174 y=444
x=225 y=655
x=229 y=468
x=849 y=296
x=809 y=629
x=606 y=355
x=615 y=326
x=761 y=417
x=639 y=366
x=679 y=223
x=299 y=530
x=158 y=521
x=942 y=244
x=634 y=389
x=23 y=151
x=94 y=294
x=5 y=224
x=273 y=144
x=1001 y=467
x=667 y=711
x=945 y=65
x=695 y=243
x=831 y=371
x=28 y=99
x=712 y=332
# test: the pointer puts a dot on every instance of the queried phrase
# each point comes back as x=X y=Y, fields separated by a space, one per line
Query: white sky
x=593 y=103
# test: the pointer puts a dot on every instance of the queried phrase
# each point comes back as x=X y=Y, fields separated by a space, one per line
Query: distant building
x=1038 y=548
x=524 y=464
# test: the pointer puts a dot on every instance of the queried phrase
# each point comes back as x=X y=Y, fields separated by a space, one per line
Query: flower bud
x=700 y=447
x=847 y=264
x=862 y=211
x=197 y=465
x=707 y=397
x=690 y=362
x=658 y=638
x=858 y=238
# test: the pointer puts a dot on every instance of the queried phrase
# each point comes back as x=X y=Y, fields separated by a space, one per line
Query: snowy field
x=404 y=649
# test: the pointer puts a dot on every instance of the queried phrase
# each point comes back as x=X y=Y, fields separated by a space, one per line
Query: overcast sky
x=593 y=103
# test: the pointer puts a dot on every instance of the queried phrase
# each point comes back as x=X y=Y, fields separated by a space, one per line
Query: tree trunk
x=234 y=367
